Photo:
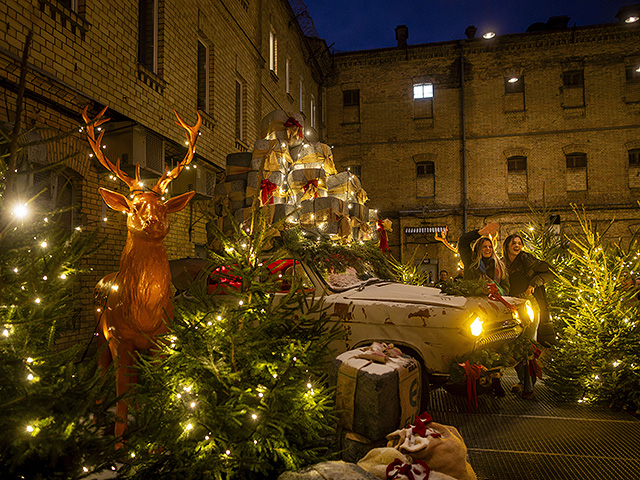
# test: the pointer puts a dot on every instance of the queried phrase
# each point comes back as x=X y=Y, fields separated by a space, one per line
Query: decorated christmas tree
x=241 y=391
x=48 y=393
x=594 y=305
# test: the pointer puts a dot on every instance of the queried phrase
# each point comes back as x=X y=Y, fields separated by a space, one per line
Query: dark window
x=203 y=77
x=70 y=4
x=356 y=170
x=514 y=84
x=351 y=98
x=633 y=73
x=576 y=160
x=147 y=37
x=425 y=168
x=573 y=78
x=517 y=163
x=239 y=110
x=634 y=156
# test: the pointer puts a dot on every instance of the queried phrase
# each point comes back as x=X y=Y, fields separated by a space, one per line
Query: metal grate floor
x=543 y=439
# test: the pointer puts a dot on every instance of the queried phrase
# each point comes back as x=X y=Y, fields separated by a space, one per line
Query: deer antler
x=96 y=143
x=442 y=237
x=192 y=136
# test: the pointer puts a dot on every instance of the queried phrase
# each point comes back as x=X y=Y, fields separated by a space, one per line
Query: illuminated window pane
x=422 y=90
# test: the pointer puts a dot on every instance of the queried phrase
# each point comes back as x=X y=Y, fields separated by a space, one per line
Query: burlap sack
x=440 y=446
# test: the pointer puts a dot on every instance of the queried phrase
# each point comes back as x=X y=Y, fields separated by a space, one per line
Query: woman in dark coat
x=482 y=261
x=527 y=276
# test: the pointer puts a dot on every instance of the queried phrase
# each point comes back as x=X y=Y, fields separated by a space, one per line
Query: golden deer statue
x=133 y=305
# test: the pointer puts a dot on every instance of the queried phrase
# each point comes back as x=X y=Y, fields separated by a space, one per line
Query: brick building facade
x=458 y=133
x=232 y=60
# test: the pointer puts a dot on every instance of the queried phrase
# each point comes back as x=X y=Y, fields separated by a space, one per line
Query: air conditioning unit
x=198 y=179
x=135 y=144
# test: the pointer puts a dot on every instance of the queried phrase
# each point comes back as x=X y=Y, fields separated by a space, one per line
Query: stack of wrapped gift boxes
x=293 y=175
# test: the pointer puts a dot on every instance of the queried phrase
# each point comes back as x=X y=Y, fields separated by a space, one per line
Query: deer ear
x=175 y=204
x=115 y=200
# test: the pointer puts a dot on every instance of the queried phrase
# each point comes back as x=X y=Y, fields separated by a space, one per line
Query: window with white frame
x=312 y=112
x=273 y=51
x=203 y=76
x=148 y=34
x=422 y=90
x=301 y=95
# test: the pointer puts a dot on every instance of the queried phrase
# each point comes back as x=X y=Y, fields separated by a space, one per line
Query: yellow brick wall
x=387 y=138
x=90 y=58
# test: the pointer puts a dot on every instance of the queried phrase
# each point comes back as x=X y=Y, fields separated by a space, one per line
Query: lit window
x=517 y=163
x=422 y=90
x=273 y=52
x=576 y=160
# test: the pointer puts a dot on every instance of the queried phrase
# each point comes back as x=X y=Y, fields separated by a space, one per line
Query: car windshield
x=340 y=279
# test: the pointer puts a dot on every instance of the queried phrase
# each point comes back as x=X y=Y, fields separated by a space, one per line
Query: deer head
x=147 y=212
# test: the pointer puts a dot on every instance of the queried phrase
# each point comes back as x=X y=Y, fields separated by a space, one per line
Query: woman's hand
x=489 y=229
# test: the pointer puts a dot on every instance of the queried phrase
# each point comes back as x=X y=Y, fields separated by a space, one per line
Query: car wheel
x=425 y=393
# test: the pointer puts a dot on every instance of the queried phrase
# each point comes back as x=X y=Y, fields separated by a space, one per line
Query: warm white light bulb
x=20 y=210
x=44 y=244
x=29 y=428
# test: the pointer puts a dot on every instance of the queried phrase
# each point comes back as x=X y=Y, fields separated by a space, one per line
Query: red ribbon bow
x=309 y=184
x=420 y=428
x=267 y=188
x=534 y=367
x=384 y=242
x=417 y=470
x=292 y=122
x=472 y=373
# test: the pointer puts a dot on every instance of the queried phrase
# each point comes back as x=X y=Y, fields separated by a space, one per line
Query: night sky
x=367 y=24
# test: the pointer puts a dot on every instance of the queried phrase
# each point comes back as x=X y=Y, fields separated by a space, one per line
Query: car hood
x=401 y=293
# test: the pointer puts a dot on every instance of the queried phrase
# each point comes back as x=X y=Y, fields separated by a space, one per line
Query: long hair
x=477 y=257
x=505 y=247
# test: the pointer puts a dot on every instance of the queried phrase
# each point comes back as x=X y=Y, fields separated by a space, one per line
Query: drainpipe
x=463 y=131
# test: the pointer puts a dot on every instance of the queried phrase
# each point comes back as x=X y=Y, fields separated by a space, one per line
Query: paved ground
x=543 y=439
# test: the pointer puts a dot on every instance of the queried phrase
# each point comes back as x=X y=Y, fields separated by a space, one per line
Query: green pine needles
x=241 y=391
x=595 y=306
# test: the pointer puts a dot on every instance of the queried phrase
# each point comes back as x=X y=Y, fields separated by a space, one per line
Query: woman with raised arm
x=527 y=276
x=481 y=261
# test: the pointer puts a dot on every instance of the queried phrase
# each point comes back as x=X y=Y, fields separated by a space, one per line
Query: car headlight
x=530 y=311
x=476 y=327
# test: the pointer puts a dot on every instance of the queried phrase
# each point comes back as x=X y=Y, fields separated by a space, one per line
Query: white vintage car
x=423 y=322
